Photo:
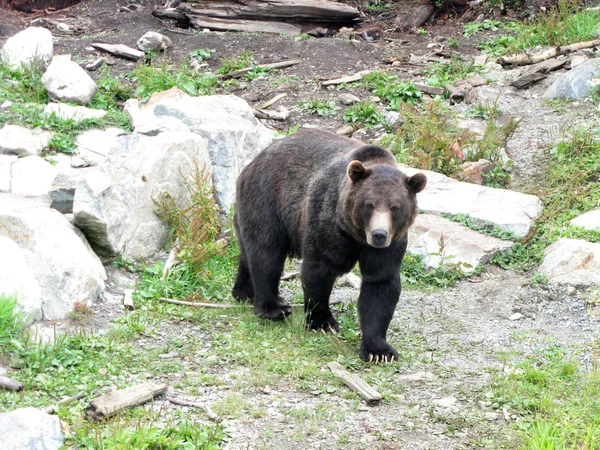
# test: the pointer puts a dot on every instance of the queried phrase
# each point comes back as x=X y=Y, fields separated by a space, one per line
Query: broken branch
x=53 y=408
x=522 y=59
x=349 y=79
x=194 y=403
x=278 y=65
x=9 y=384
x=354 y=382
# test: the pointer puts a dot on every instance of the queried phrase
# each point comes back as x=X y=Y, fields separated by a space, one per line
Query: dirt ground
x=462 y=328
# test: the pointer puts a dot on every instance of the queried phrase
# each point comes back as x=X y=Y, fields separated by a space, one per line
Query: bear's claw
x=380 y=353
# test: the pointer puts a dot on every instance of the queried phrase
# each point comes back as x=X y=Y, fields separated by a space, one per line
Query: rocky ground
x=455 y=342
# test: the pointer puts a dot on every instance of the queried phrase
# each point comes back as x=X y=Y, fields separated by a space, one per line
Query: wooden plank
x=357 y=384
x=194 y=403
x=248 y=26
x=119 y=50
x=278 y=65
x=110 y=404
x=349 y=79
x=9 y=384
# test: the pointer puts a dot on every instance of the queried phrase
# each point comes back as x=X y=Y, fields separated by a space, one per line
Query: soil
x=463 y=327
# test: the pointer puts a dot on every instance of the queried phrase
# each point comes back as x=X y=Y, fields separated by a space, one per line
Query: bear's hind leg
x=317 y=283
x=242 y=289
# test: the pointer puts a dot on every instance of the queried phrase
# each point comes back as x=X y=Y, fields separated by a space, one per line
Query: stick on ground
x=52 y=408
x=110 y=404
x=194 y=403
x=354 y=382
x=9 y=384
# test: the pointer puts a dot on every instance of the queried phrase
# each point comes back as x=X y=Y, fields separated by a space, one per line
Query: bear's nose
x=379 y=237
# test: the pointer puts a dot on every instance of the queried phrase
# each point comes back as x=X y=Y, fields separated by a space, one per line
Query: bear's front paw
x=381 y=352
x=275 y=312
x=327 y=324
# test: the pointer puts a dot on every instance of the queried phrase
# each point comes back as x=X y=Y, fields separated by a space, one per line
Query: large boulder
x=53 y=267
x=572 y=261
x=66 y=81
x=6 y=162
x=114 y=204
x=94 y=145
x=76 y=113
x=32 y=176
x=437 y=239
x=508 y=210
x=26 y=47
x=589 y=220
x=233 y=135
x=576 y=83
x=30 y=429
x=22 y=141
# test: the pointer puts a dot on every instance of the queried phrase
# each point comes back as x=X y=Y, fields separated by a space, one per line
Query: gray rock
x=51 y=266
x=66 y=81
x=26 y=47
x=348 y=99
x=508 y=210
x=233 y=135
x=346 y=130
x=62 y=190
x=32 y=176
x=572 y=261
x=75 y=113
x=6 y=162
x=30 y=429
x=349 y=280
x=137 y=171
x=393 y=118
x=94 y=145
x=589 y=220
x=461 y=244
x=153 y=41
x=576 y=83
x=21 y=141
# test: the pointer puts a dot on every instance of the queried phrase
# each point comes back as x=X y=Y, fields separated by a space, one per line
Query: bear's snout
x=379 y=230
x=379 y=238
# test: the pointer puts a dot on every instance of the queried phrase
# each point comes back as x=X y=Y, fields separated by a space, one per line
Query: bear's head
x=381 y=201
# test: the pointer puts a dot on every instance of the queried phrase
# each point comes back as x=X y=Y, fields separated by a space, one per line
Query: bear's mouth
x=379 y=231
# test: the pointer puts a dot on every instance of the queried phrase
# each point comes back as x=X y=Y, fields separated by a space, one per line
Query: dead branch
x=281 y=114
x=349 y=79
x=119 y=50
x=271 y=102
x=53 y=408
x=278 y=65
x=354 y=382
x=522 y=59
x=194 y=403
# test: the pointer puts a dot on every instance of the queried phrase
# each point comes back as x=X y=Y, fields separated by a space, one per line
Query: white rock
x=18 y=140
x=32 y=176
x=461 y=244
x=349 y=280
x=6 y=162
x=94 y=145
x=589 y=220
x=24 y=48
x=57 y=267
x=66 y=81
x=62 y=190
x=508 y=210
x=348 y=99
x=233 y=135
x=415 y=376
x=30 y=429
x=572 y=261
x=114 y=203
x=153 y=41
x=516 y=316
x=75 y=113
x=445 y=402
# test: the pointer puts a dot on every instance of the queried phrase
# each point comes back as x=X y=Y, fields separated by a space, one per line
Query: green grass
x=12 y=322
x=391 y=90
x=364 y=113
x=241 y=61
x=318 y=107
x=22 y=85
x=440 y=74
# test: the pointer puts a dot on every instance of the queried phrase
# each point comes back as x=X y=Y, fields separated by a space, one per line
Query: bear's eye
x=395 y=208
x=369 y=206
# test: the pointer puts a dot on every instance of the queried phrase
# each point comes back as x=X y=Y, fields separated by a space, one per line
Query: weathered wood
x=8 y=384
x=467 y=83
x=194 y=403
x=171 y=13
x=414 y=17
x=271 y=102
x=110 y=404
x=536 y=72
x=173 y=258
x=53 y=408
x=357 y=384
x=119 y=50
x=128 y=300
x=522 y=59
x=431 y=90
x=281 y=114
x=248 y=26
x=278 y=65
x=349 y=79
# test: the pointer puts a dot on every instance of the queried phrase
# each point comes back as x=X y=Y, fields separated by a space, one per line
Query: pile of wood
x=270 y=16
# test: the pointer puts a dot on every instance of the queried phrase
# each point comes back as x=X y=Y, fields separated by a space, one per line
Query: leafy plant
x=257 y=72
x=472 y=28
x=23 y=85
x=364 y=113
x=484 y=111
x=440 y=74
x=319 y=107
x=236 y=62
x=61 y=143
x=12 y=322
x=391 y=90
x=202 y=54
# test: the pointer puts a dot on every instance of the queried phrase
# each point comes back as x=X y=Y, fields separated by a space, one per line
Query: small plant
x=110 y=91
x=202 y=54
x=319 y=107
x=61 y=143
x=236 y=62
x=289 y=132
x=12 y=322
x=472 y=28
x=440 y=74
x=364 y=113
x=484 y=111
x=422 y=31
x=23 y=85
x=377 y=5
x=257 y=72
x=452 y=43
x=391 y=90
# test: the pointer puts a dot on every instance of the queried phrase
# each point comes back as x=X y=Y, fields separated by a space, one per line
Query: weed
x=391 y=90
x=236 y=62
x=301 y=37
x=415 y=276
x=23 y=85
x=472 y=28
x=12 y=322
x=110 y=91
x=440 y=74
x=422 y=32
x=452 y=43
x=319 y=107
x=61 y=143
x=484 y=111
x=257 y=72
x=364 y=113
x=202 y=54
x=284 y=80
x=289 y=132
x=377 y=5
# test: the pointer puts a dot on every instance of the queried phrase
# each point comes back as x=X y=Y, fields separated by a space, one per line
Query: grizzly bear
x=333 y=202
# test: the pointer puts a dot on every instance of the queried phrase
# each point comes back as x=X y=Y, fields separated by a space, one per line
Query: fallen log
x=281 y=114
x=349 y=79
x=120 y=50
x=278 y=65
x=536 y=72
x=354 y=382
x=9 y=384
x=194 y=403
x=271 y=102
x=110 y=404
x=414 y=17
x=248 y=26
x=523 y=59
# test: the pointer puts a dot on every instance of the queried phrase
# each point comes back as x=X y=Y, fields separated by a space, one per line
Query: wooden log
x=354 y=382
x=53 y=408
x=431 y=90
x=415 y=17
x=120 y=50
x=171 y=13
x=248 y=26
x=128 y=300
x=522 y=59
x=194 y=403
x=278 y=65
x=536 y=72
x=281 y=114
x=349 y=79
x=8 y=384
x=271 y=102
x=110 y=404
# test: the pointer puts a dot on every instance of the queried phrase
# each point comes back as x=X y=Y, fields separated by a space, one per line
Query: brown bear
x=331 y=201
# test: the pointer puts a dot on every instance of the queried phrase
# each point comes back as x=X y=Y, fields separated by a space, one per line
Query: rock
x=576 y=83
x=349 y=280
x=462 y=245
x=94 y=65
x=75 y=113
x=473 y=171
x=94 y=145
x=589 y=220
x=345 y=33
x=431 y=90
x=577 y=60
x=62 y=190
x=508 y=210
x=134 y=173
x=6 y=162
x=348 y=99
x=7 y=104
x=480 y=60
x=21 y=141
x=572 y=261
x=66 y=81
x=516 y=316
x=24 y=48
x=445 y=402
x=153 y=42
x=346 y=130
x=120 y=50
x=51 y=267
x=393 y=118
x=30 y=429
x=32 y=176
x=233 y=135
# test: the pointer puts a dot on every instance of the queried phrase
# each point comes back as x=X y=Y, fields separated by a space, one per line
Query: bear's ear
x=417 y=182
x=357 y=172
